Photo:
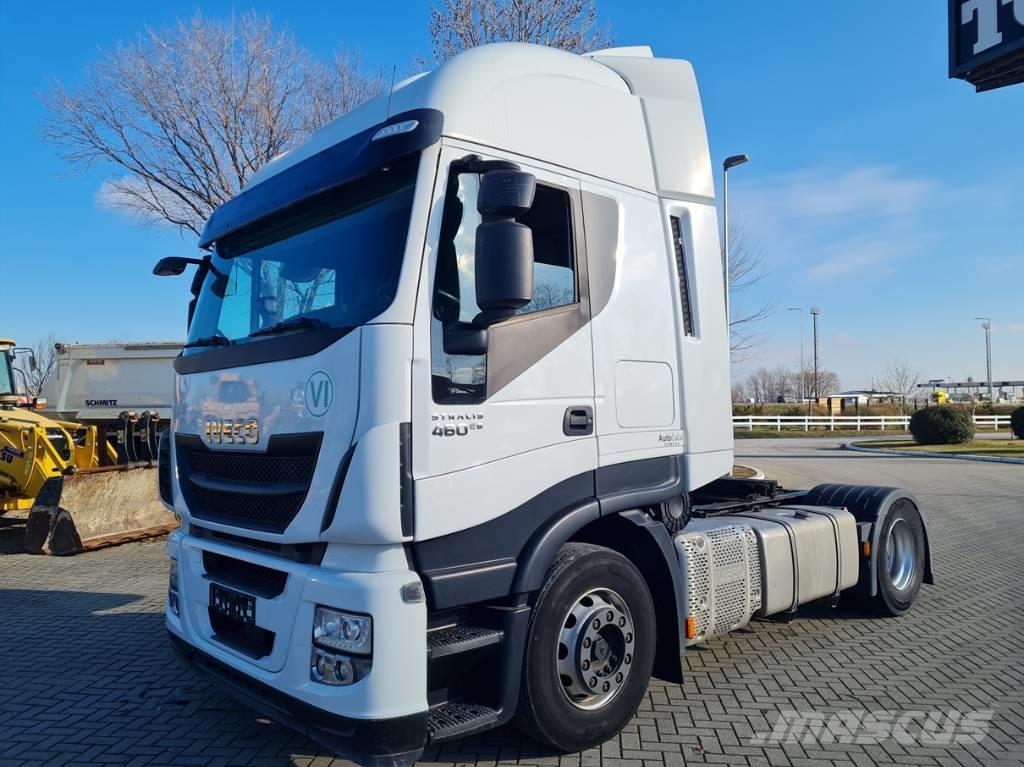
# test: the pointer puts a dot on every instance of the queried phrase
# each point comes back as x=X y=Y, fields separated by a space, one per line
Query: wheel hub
x=900 y=554
x=595 y=649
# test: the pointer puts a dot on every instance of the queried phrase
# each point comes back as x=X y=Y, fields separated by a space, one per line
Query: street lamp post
x=730 y=162
x=803 y=383
x=987 y=324
x=815 y=311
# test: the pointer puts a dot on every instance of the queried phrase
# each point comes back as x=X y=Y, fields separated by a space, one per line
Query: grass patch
x=1002 y=448
x=764 y=433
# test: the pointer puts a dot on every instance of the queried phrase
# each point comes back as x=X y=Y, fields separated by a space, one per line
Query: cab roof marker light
x=396 y=129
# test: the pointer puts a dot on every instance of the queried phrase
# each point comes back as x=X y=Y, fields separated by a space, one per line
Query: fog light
x=172 y=602
x=336 y=630
x=328 y=668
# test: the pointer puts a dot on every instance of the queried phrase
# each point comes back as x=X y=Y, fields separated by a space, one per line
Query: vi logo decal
x=319 y=393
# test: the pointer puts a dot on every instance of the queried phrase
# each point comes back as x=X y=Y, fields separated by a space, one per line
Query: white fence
x=856 y=422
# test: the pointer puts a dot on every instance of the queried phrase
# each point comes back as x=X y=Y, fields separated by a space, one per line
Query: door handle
x=578 y=421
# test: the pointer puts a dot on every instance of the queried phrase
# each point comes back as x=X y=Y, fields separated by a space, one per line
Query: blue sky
x=879 y=190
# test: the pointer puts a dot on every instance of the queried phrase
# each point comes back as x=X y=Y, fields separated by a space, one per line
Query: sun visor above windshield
x=410 y=132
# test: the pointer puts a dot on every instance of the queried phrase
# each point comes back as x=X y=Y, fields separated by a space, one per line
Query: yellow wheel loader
x=79 y=490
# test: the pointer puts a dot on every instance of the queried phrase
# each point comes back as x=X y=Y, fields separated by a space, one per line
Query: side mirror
x=17 y=351
x=503 y=259
x=172 y=266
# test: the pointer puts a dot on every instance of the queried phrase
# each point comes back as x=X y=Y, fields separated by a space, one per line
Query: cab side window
x=462 y=379
x=554 y=273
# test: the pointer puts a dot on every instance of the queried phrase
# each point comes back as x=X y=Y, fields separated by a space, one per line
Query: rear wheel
x=899 y=561
x=589 y=650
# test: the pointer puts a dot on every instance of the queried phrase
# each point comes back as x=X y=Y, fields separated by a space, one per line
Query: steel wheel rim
x=594 y=651
x=900 y=554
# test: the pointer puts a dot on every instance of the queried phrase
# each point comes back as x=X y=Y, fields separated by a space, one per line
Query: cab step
x=455 y=719
x=452 y=640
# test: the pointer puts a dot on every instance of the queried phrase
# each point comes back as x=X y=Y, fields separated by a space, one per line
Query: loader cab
x=8 y=396
x=6 y=369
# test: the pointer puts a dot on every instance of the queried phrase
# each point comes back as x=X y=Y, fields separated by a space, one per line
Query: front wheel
x=589 y=650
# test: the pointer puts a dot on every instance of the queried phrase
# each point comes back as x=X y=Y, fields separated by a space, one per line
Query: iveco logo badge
x=319 y=393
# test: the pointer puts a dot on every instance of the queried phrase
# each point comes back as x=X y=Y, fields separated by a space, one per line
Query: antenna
x=393 y=68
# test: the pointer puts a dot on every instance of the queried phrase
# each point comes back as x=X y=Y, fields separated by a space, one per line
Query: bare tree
x=780 y=383
x=35 y=378
x=746 y=269
x=899 y=379
x=185 y=115
x=340 y=86
x=771 y=385
x=456 y=25
x=828 y=382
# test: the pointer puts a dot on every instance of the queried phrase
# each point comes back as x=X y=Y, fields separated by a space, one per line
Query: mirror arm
x=474 y=163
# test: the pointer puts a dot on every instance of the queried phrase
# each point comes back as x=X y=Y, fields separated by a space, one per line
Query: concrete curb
x=758 y=474
x=922 y=454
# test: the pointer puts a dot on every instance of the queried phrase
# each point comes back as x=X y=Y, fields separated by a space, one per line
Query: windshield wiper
x=292 y=324
x=209 y=341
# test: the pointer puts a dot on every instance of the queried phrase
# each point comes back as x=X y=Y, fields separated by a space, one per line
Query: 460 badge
x=455 y=424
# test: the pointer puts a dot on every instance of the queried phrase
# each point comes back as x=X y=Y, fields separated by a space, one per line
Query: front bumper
x=395 y=742
x=380 y=719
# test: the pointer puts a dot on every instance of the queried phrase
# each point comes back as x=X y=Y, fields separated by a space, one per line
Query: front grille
x=244 y=575
x=260 y=491
x=259 y=469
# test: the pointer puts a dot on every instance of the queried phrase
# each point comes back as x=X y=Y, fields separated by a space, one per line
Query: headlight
x=345 y=632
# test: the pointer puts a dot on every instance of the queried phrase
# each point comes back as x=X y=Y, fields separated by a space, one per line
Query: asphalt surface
x=87 y=677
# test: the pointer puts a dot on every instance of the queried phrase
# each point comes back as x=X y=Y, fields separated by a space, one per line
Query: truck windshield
x=6 y=377
x=331 y=262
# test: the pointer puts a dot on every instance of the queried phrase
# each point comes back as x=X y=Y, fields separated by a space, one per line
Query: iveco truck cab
x=452 y=429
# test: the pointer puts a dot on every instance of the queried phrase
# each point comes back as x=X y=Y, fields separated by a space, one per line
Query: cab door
x=493 y=431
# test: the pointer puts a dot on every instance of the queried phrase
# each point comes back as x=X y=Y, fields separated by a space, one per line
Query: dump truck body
x=95 y=383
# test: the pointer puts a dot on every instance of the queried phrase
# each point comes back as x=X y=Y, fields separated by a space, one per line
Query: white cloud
x=863 y=257
x=823 y=197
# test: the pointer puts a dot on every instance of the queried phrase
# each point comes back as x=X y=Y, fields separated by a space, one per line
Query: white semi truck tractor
x=452 y=421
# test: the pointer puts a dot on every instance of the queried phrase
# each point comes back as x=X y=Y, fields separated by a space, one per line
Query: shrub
x=1017 y=422
x=942 y=425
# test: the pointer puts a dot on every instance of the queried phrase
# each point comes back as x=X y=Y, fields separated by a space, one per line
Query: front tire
x=589 y=649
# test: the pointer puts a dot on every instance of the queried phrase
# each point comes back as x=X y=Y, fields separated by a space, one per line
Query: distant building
x=971 y=390
x=854 y=399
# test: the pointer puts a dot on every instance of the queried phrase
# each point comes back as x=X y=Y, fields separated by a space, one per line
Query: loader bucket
x=99 y=507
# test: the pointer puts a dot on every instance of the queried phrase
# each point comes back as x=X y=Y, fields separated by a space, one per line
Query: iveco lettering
x=452 y=432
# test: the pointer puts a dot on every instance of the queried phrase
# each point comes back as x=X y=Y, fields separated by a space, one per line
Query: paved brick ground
x=86 y=675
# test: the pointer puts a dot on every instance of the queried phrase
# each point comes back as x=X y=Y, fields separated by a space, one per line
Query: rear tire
x=589 y=649
x=899 y=560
